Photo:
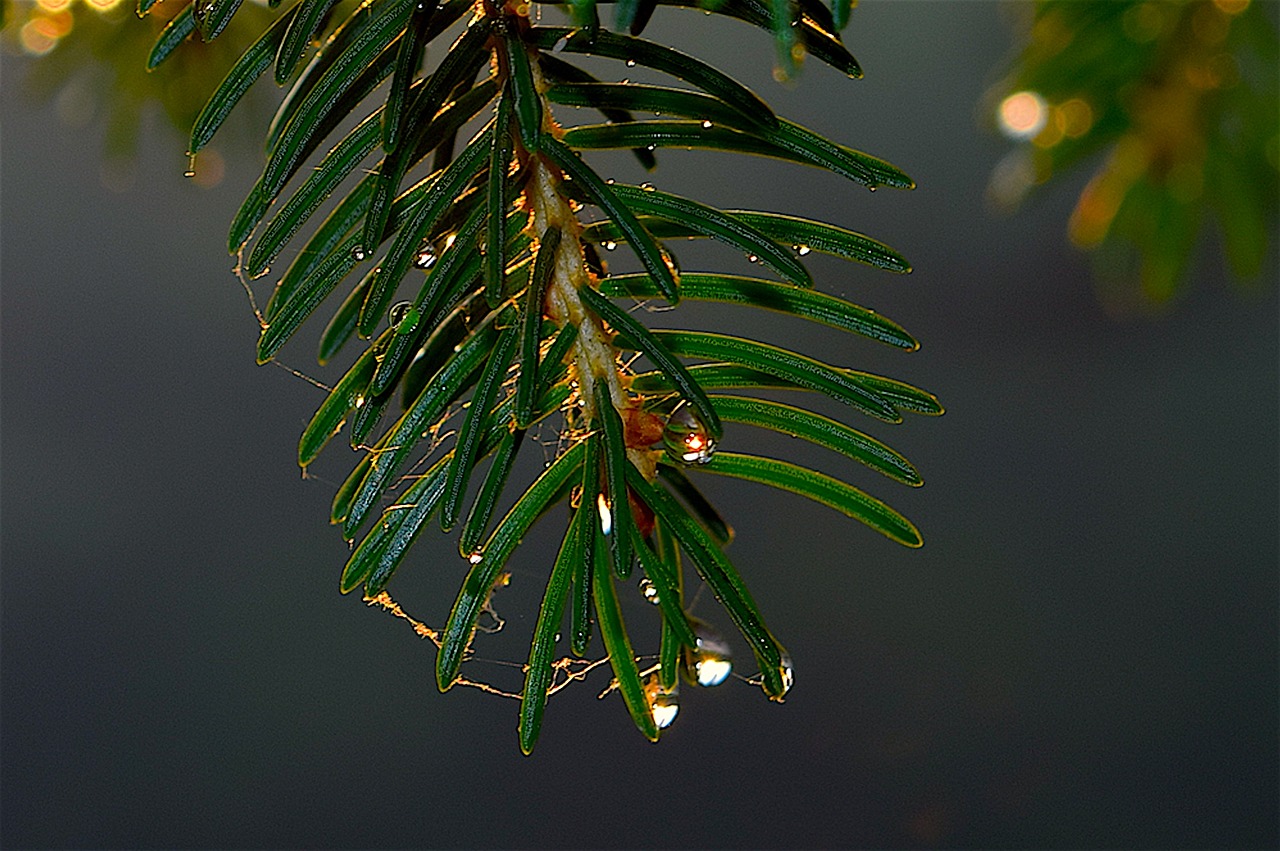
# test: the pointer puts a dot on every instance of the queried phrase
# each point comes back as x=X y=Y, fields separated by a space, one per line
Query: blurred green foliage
x=91 y=65
x=1175 y=105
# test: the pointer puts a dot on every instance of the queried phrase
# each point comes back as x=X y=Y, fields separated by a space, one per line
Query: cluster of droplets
x=687 y=438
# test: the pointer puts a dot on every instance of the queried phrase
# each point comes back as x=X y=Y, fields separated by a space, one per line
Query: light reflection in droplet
x=788 y=674
x=425 y=258
x=712 y=671
x=606 y=516
x=687 y=438
x=710 y=662
x=663 y=705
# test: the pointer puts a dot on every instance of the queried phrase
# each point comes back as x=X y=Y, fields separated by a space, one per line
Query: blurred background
x=1084 y=654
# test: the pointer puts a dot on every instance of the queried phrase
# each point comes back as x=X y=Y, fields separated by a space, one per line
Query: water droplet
x=357 y=254
x=557 y=638
x=649 y=590
x=710 y=662
x=687 y=438
x=651 y=147
x=712 y=671
x=647 y=187
x=871 y=187
x=788 y=675
x=609 y=181
x=606 y=516
x=706 y=124
x=559 y=46
x=802 y=250
x=610 y=245
x=191 y=166
x=360 y=401
x=631 y=63
x=663 y=705
x=399 y=311
x=425 y=258
x=476 y=557
x=751 y=258
x=404 y=317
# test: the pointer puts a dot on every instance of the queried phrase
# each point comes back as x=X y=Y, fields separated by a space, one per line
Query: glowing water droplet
x=609 y=181
x=751 y=258
x=631 y=63
x=663 y=705
x=647 y=187
x=360 y=401
x=610 y=245
x=606 y=516
x=871 y=187
x=425 y=258
x=357 y=254
x=710 y=662
x=712 y=671
x=687 y=438
x=788 y=675
x=651 y=147
x=802 y=250
x=476 y=557
x=706 y=124
x=191 y=166
x=649 y=590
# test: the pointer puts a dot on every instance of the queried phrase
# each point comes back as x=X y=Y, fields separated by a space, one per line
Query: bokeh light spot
x=1022 y=115
x=1231 y=7
x=1076 y=117
x=1144 y=23
x=41 y=34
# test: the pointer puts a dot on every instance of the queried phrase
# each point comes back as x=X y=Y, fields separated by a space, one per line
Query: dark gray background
x=1083 y=655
